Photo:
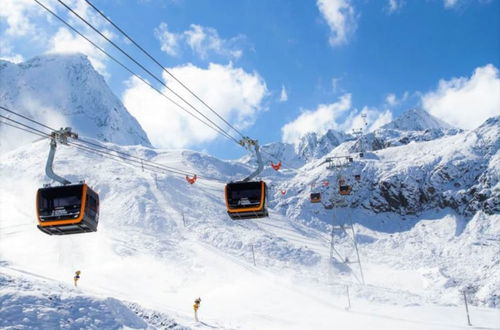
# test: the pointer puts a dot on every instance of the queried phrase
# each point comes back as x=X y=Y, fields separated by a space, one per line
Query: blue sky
x=278 y=69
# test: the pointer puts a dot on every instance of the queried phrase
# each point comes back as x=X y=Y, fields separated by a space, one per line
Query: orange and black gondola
x=345 y=189
x=246 y=200
x=315 y=197
x=67 y=209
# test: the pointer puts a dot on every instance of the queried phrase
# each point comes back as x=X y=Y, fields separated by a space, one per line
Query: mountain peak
x=65 y=90
x=313 y=145
x=416 y=120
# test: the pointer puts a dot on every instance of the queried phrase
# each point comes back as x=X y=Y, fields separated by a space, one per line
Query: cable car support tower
x=339 y=164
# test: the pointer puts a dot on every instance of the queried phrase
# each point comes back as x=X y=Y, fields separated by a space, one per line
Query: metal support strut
x=60 y=136
x=249 y=143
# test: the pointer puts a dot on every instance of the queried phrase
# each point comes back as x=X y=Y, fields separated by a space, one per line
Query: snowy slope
x=144 y=253
x=65 y=90
x=30 y=301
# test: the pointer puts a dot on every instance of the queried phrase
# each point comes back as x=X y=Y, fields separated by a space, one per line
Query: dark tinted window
x=60 y=197
x=250 y=192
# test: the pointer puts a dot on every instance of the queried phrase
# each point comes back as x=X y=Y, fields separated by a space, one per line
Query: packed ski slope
x=161 y=243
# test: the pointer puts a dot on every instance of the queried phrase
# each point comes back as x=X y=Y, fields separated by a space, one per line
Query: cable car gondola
x=315 y=197
x=246 y=199
x=345 y=190
x=67 y=209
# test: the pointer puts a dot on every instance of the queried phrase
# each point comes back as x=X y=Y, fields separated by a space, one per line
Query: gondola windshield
x=58 y=203
x=244 y=194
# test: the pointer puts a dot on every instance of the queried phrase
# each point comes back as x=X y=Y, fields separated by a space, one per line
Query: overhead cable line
x=163 y=67
x=222 y=132
x=131 y=159
x=32 y=130
x=27 y=118
x=138 y=161
x=22 y=129
x=143 y=67
x=26 y=126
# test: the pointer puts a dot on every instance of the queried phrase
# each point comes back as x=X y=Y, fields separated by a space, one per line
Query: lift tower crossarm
x=249 y=144
x=60 y=136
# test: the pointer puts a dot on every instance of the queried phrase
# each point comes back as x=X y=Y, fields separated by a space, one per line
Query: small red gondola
x=192 y=179
x=277 y=166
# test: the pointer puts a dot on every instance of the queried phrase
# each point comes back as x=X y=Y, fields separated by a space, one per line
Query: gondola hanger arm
x=253 y=144
x=60 y=136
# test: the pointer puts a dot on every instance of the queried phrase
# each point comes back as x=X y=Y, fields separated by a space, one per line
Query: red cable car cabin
x=69 y=209
x=277 y=166
x=246 y=200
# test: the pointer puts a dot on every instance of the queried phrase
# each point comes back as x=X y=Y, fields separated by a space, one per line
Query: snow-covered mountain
x=310 y=146
x=412 y=125
x=66 y=90
x=416 y=120
x=313 y=146
x=425 y=214
x=458 y=171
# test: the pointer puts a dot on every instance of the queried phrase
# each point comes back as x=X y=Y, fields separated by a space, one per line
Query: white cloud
x=29 y=23
x=16 y=13
x=376 y=118
x=450 y=3
x=333 y=116
x=336 y=86
x=394 y=6
x=341 y=19
x=391 y=99
x=235 y=94
x=169 y=41
x=466 y=102
x=319 y=120
x=65 y=42
x=368 y=119
x=283 y=94
x=203 y=41
x=7 y=54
